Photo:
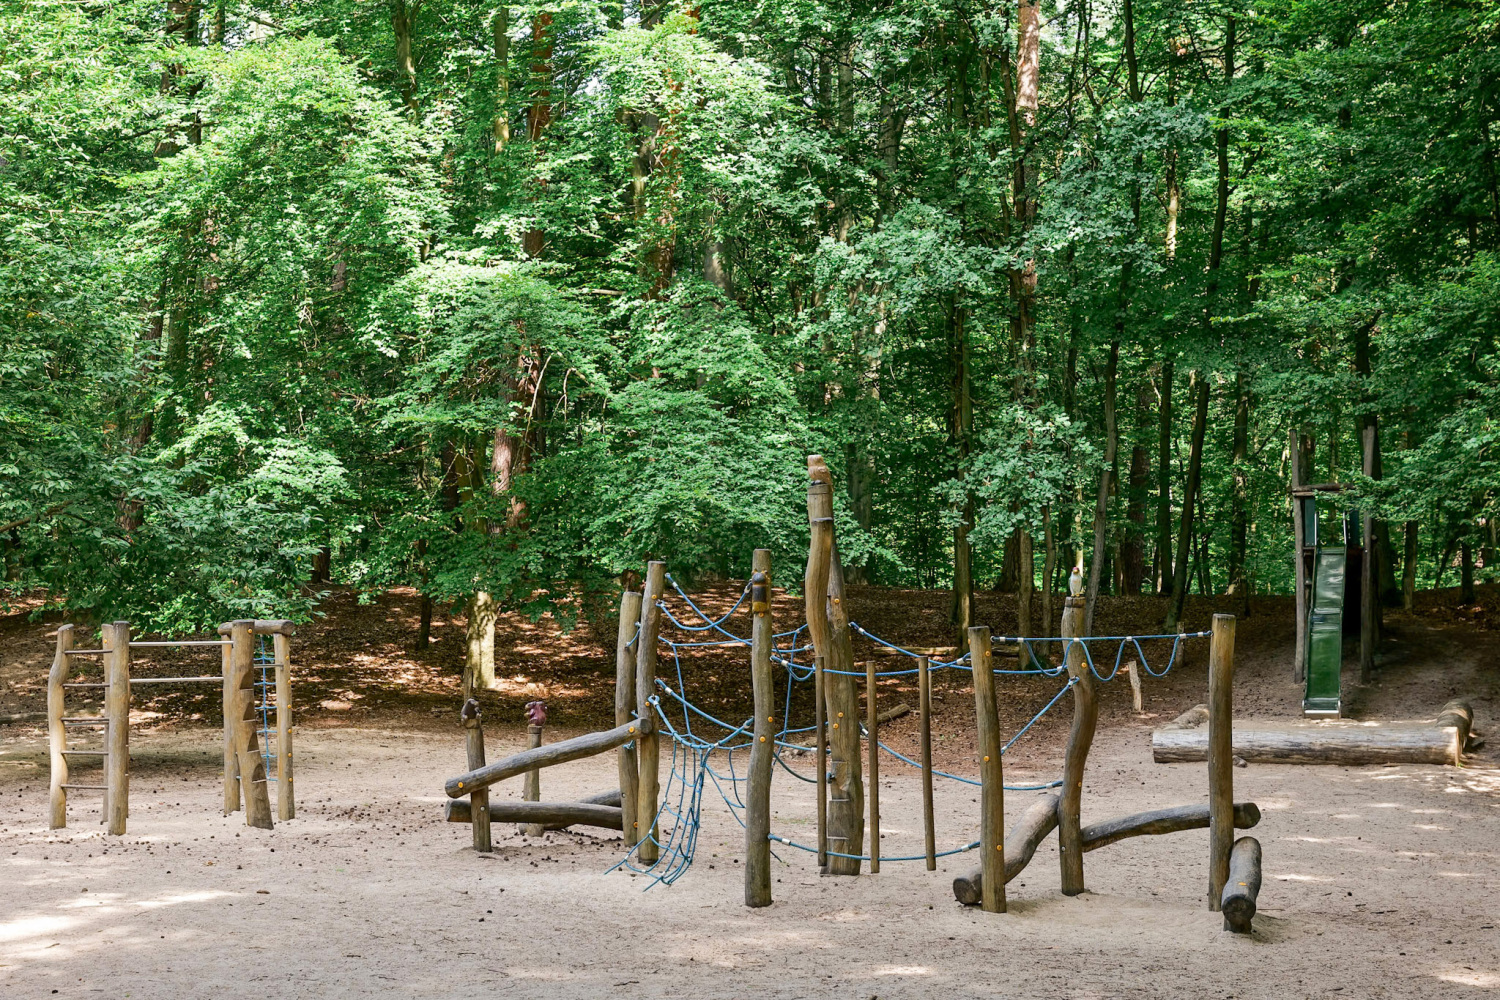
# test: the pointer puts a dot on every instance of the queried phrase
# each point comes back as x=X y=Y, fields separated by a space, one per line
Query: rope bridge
x=704 y=746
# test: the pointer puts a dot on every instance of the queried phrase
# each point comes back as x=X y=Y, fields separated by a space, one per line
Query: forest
x=497 y=302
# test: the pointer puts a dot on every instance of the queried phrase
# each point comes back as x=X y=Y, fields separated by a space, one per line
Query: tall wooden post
x=231 y=703
x=1299 y=569
x=1220 y=755
x=991 y=773
x=286 y=799
x=828 y=621
x=625 y=654
x=252 y=766
x=763 y=745
x=820 y=731
x=924 y=701
x=648 y=743
x=479 y=799
x=531 y=787
x=57 y=731
x=1080 y=738
x=872 y=731
x=117 y=709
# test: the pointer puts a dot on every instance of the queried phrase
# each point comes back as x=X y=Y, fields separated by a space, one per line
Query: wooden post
x=828 y=621
x=648 y=742
x=117 y=708
x=479 y=799
x=252 y=766
x=1220 y=755
x=924 y=702
x=1299 y=570
x=820 y=727
x=872 y=730
x=231 y=756
x=625 y=655
x=1080 y=738
x=286 y=800
x=991 y=772
x=763 y=746
x=57 y=732
x=531 y=788
x=1137 y=696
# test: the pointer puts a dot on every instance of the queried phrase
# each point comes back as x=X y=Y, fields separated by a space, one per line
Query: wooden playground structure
x=250 y=702
x=840 y=742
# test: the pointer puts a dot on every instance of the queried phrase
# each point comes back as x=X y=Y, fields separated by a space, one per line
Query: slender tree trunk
x=1164 y=481
x=1239 y=523
x=500 y=35
x=1409 y=567
x=1189 y=498
x=1133 y=548
x=961 y=418
x=1101 y=504
x=539 y=114
x=402 y=16
x=1465 y=572
x=1049 y=569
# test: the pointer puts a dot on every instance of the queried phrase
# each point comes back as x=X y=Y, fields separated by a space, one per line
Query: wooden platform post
x=991 y=773
x=1299 y=569
x=763 y=745
x=57 y=731
x=820 y=733
x=828 y=622
x=117 y=709
x=479 y=799
x=252 y=766
x=531 y=788
x=1080 y=738
x=924 y=702
x=231 y=755
x=648 y=742
x=625 y=655
x=286 y=799
x=872 y=732
x=1220 y=755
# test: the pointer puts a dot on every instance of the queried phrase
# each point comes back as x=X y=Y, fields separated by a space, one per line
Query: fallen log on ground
x=1238 y=902
x=18 y=717
x=561 y=752
x=1159 y=821
x=1314 y=745
x=458 y=811
x=548 y=815
x=1021 y=843
x=1457 y=716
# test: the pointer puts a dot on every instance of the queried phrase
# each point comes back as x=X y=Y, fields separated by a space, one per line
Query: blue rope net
x=704 y=746
x=265 y=702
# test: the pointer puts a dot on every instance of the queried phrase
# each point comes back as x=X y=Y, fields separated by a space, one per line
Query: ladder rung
x=84 y=652
x=88 y=753
x=217 y=678
x=98 y=788
x=85 y=721
x=89 y=684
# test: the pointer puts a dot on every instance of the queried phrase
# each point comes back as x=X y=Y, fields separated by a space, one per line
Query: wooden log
x=252 y=766
x=1457 y=717
x=547 y=815
x=480 y=819
x=1080 y=738
x=1349 y=746
x=1190 y=719
x=261 y=626
x=1039 y=819
x=1242 y=886
x=846 y=792
x=820 y=731
x=924 y=702
x=459 y=810
x=1299 y=567
x=625 y=656
x=814 y=593
x=991 y=773
x=577 y=748
x=231 y=757
x=1159 y=821
x=872 y=748
x=1137 y=696
x=1220 y=755
x=763 y=745
x=531 y=787
x=286 y=799
x=648 y=744
x=57 y=732
x=117 y=708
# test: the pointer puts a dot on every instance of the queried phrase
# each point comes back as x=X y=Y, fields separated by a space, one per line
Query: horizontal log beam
x=1240 y=891
x=1313 y=745
x=548 y=815
x=263 y=626
x=577 y=748
x=1159 y=821
x=1021 y=843
x=458 y=811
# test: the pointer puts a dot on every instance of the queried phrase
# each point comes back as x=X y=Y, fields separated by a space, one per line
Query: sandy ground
x=1380 y=882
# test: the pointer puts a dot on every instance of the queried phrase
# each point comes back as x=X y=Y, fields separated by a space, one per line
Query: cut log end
x=1243 y=887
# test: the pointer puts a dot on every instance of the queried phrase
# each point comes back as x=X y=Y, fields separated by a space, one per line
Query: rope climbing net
x=704 y=746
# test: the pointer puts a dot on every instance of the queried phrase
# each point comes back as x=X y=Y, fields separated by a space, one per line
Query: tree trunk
x=1164 y=482
x=500 y=34
x=1465 y=572
x=402 y=17
x=479 y=645
x=1189 y=498
x=1101 y=504
x=1409 y=567
x=1133 y=548
x=1049 y=568
x=1239 y=522
x=960 y=423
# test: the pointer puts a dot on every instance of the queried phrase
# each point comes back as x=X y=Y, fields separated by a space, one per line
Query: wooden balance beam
x=602 y=810
x=1330 y=743
x=1041 y=818
x=577 y=748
